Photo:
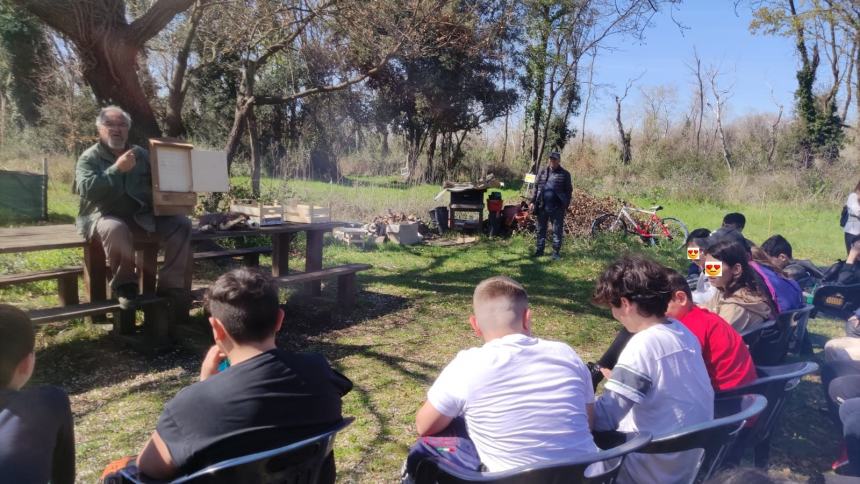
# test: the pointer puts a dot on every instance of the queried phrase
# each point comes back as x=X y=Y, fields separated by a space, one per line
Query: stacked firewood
x=583 y=209
x=377 y=226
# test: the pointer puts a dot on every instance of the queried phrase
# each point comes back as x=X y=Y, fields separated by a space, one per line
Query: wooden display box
x=179 y=171
x=309 y=214
x=259 y=213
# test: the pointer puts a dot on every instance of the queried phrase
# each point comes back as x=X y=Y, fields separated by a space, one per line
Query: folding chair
x=573 y=471
x=774 y=383
x=299 y=462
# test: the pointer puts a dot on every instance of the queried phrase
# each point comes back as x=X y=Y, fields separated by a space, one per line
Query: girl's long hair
x=730 y=252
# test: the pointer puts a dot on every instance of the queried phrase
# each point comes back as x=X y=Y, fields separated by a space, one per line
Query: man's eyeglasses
x=115 y=125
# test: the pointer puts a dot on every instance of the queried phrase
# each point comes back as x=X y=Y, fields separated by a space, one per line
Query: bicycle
x=651 y=231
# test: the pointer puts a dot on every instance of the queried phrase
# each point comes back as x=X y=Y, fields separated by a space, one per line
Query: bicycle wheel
x=608 y=223
x=677 y=232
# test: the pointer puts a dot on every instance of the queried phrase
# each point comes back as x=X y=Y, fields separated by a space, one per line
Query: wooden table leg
x=146 y=260
x=313 y=259
x=67 y=288
x=95 y=274
x=346 y=292
x=281 y=254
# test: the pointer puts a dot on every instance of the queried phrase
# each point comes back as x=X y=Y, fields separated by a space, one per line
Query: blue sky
x=753 y=64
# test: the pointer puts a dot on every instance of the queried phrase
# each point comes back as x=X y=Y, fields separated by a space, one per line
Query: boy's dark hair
x=245 y=300
x=677 y=282
x=735 y=219
x=637 y=278
x=17 y=340
x=698 y=234
x=775 y=245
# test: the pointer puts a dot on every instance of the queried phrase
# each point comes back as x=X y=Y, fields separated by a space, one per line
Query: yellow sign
x=530 y=178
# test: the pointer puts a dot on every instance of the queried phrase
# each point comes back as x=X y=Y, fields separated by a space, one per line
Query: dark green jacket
x=100 y=184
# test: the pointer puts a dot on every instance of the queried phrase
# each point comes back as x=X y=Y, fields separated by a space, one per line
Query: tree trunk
x=624 y=137
x=540 y=90
x=849 y=89
x=108 y=47
x=110 y=68
x=173 y=124
x=244 y=103
x=256 y=159
x=431 y=155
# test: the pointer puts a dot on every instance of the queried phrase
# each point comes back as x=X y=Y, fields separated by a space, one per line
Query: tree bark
x=624 y=137
x=173 y=124
x=256 y=159
x=108 y=47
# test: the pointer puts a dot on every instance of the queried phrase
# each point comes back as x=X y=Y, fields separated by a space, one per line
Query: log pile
x=377 y=226
x=583 y=209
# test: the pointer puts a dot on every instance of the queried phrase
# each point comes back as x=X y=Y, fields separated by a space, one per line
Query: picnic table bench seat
x=67 y=281
x=346 y=281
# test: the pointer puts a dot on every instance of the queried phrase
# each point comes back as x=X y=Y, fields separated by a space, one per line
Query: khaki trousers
x=116 y=235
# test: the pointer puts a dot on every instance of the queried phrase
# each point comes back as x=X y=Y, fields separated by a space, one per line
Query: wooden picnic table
x=47 y=237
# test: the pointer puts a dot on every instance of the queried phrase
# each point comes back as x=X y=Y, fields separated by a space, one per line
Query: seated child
x=734 y=221
x=727 y=358
x=702 y=291
x=738 y=299
x=267 y=398
x=803 y=271
x=37 y=442
x=524 y=400
x=660 y=383
x=694 y=269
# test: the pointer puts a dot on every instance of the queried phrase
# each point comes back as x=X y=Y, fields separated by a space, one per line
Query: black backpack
x=843 y=218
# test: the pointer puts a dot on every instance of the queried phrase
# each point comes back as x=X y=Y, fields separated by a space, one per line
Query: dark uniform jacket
x=559 y=182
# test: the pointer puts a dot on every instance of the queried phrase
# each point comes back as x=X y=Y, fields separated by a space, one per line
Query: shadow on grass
x=93 y=359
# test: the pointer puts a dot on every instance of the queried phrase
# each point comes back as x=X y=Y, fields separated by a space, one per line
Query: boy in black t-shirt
x=291 y=396
x=37 y=442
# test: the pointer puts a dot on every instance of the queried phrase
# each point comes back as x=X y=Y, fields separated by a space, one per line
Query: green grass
x=410 y=321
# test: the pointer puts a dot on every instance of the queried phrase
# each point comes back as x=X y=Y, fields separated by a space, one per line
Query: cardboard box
x=259 y=213
x=309 y=214
x=404 y=234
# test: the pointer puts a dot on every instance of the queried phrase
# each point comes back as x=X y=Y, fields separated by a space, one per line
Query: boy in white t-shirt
x=524 y=400
x=660 y=383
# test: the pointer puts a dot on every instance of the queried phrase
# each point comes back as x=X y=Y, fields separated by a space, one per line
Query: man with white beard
x=114 y=182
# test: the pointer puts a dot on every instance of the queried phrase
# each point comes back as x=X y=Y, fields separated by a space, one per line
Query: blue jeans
x=557 y=218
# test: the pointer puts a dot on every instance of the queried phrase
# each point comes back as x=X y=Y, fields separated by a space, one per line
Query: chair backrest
x=713 y=437
x=299 y=462
x=774 y=383
x=800 y=322
x=837 y=300
x=752 y=335
x=772 y=346
x=572 y=471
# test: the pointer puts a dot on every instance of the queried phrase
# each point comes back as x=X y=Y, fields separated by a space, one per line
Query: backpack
x=843 y=218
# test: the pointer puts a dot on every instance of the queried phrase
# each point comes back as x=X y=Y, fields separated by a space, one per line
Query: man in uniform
x=114 y=182
x=552 y=195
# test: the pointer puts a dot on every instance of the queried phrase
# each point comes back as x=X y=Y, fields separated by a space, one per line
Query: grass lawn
x=410 y=321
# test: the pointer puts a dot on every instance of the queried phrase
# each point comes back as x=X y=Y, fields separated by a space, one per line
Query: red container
x=495 y=205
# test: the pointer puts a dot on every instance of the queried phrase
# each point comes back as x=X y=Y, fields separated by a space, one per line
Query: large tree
x=558 y=34
x=108 y=45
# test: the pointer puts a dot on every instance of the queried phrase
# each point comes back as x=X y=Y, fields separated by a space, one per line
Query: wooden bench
x=67 y=281
x=249 y=255
x=156 y=316
x=346 y=281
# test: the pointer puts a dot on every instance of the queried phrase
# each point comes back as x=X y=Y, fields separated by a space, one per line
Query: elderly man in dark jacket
x=552 y=195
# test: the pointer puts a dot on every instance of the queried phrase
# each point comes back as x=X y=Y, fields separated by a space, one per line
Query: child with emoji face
x=737 y=300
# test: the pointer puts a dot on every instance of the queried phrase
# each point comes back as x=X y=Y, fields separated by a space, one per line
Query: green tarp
x=20 y=196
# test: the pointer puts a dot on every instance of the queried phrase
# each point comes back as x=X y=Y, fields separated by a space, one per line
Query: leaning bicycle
x=653 y=230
